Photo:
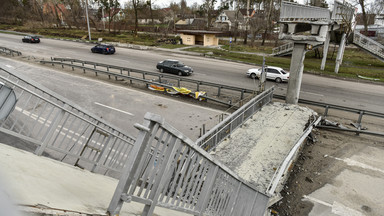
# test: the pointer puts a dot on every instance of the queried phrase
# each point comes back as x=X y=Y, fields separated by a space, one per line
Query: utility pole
x=86 y=11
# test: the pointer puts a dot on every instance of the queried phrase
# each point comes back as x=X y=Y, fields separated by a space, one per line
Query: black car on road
x=31 y=39
x=104 y=49
x=175 y=67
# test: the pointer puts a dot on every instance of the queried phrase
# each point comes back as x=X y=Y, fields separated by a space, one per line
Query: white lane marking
x=351 y=162
x=336 y=208
x=9 y=66
x=112 y=108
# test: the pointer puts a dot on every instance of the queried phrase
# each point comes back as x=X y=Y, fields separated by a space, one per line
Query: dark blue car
x=104 y=49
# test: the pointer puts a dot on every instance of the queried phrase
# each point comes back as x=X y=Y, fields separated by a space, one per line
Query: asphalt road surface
x=334 y=91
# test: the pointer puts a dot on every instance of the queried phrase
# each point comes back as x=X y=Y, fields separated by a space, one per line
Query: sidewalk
x=47 y=187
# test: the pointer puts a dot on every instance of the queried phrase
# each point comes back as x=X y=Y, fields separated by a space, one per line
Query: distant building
x=200 y=37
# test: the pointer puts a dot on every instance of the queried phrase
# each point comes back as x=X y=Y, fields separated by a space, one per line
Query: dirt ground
x=317 y=167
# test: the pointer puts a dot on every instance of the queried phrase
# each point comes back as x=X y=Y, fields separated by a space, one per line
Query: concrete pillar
x=296 y=73
x=325 y=50
x=340 y=52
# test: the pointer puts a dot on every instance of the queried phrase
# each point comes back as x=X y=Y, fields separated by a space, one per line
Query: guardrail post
x=218 y=91
x=143 y=75
x=121 y=71
x=178 y=83
x=108 y=68
x=242 y=94
x=94 y=66
x=326 y=111
x=202 y=203
x=359 y=121
x=198 y=86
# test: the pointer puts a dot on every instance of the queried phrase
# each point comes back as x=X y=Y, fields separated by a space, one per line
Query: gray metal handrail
x=8 y=51
x=368 y=44
x=224 y=129
x=62 y=130
x=285 y=48
x=167 y=169
x=293 y=12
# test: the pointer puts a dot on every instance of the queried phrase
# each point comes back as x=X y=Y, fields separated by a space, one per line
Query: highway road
x=317 y=88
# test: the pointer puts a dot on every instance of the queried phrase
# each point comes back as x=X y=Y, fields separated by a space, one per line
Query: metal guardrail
x=143 y=80
x=285 y=48
x=167 y=169
x=368 y=44
x=198 y=83
x=224 y=129
x=63 y=131
x=360 y=114
x=8 y=51
x=290 y=11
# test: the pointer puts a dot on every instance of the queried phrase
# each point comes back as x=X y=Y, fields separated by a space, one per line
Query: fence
x=224 y=129
x=63 y=131
x=9 y=51
x=167 y=169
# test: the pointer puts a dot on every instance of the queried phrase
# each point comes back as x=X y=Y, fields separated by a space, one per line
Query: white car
x=273 y=73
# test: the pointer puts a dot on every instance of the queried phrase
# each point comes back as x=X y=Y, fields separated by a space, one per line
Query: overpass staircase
x=368 y=44
x=363 y=42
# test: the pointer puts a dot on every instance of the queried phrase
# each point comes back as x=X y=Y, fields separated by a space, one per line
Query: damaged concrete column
x=325 y=50
x=296 y=73
x=340 y=52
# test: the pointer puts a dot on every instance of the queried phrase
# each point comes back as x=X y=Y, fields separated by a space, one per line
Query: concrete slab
x=357 y=190
x=257 y=150
x=43 y=185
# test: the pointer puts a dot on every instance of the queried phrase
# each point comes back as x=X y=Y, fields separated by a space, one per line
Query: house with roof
x=227 y=19
x=113 y=14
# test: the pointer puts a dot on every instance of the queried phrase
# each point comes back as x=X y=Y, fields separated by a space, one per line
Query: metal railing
x=8 y=51
x=290 y=11
x=343 y=12
x=368 y=44
x=285 y=48
x=62 y=130
x=167 y=169
x=224 y=129
x=125 y=70
x=360 y=114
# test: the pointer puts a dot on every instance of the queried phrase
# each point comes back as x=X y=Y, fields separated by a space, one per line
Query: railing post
x=161 y=179
x=134 y=159
x=52 y=128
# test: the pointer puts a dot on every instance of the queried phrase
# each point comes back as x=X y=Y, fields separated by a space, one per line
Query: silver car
x=273 y=73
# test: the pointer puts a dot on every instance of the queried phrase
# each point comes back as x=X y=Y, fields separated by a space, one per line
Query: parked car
x=104 y=49
x=175 y=67
x=273 y=73
x=31 y=39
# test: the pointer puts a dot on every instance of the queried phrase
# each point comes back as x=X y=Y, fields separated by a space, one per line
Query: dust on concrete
x=256 y=151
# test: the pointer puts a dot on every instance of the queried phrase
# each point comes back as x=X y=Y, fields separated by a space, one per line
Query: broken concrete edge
x=42 y=210
x=283 y=172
